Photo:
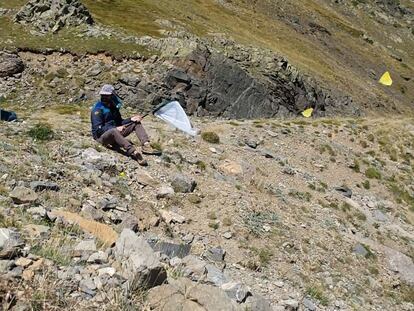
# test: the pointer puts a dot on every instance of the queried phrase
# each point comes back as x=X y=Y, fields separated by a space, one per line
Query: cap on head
x=107 y=89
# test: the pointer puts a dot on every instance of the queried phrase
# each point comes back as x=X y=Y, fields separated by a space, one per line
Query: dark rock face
x=209 y=83
x=52 y=15
x=10 y=64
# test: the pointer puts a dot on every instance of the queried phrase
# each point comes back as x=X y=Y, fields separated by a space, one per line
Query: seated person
x=109 y=129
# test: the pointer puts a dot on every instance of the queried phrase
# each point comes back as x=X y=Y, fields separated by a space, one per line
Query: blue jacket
x=104 y=119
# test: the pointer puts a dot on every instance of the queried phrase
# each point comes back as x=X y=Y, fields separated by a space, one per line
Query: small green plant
x=372 y=173
x=156 y=146
x=227 y=221
x=214 y=225
x=316 y=292
x=211 y=215
x=210 y=137
x=53 y=253
x=356 y=167
x=345 y=207
x=201 y=165
x=366 y=184
x=41 y=132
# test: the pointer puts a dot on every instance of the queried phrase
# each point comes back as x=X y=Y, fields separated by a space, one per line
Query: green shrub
x=210 y=137
x=366 y=184
x=41 y=131
x=372 y=173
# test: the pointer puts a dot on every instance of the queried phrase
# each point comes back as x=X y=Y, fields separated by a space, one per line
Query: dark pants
x=115 y=138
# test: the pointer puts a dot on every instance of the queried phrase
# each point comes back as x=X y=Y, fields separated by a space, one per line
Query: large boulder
x=52 y=15
x=10 y=243
x=23 y=195
x=10 y=64
x=185 y=295
x=140 y=264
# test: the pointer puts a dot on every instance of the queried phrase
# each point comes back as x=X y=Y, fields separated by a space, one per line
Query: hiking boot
x=147 y=149
x=137 y=156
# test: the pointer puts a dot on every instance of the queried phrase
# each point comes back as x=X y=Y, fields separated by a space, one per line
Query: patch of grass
x=372 y=173
x=41 y=132
x=327 y=148
x=227 y=221
x=316 y=292
x=211 y=215
x=210 y=137
x=345 y=207
x=356 y=167
x=305 y=196
x=201 y=165
x=256 y=220
x=53 y=253
x=214 y=225
x=366 y=184
x=401 y=194
x=360 y=216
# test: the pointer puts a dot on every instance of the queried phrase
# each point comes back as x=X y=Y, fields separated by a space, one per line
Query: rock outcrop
x=53 y=15
x=10 y=64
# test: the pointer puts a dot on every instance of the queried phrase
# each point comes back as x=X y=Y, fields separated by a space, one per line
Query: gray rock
x=215 y=254
x=345 y=191
x=164 y=192
x=360 y=249
x=88 y=286
x=258 y=303
x=38 y=186
x=215 y=276
x=22 y=195
x=130 y=80
x=5 y=265
x=183 y=184
x=171 y=249
x=309 y=305
x=37 y=211
x=236 y=291
x=291 y=304
x=95 y=70
x=98 y=258
x=53 y=15
x=182 y=294
x=84 y=248
x=401 y=264
x=194 y=268
x=10 y=64
x=289 y=170
x=10 y=243
x=379 y=216
x=140 y=264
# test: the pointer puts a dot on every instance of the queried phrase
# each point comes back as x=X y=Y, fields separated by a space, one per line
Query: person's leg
x=141 y=133
x=128 y=129
x=115 y=138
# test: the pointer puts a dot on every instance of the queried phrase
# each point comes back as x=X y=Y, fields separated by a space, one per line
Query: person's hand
x=120 y=128
x=136 y=118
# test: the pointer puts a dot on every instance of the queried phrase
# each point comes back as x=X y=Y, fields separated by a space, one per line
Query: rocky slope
x=287 y=215
x=279 y=213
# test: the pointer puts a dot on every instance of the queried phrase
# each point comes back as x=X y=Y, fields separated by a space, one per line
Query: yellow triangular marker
x=307 y=113
x=386 y=79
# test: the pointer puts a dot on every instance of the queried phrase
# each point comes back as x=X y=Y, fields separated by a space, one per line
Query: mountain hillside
x=264 y=210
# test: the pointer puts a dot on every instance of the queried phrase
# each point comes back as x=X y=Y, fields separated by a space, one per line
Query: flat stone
x=194 y=268
x=345 y=191
x=258 y=303
x=145 y=179
x=6 y=265
x=227 y=235
x=291 y=304
x=401 y=264
x=309 y=305
x=171 y=217
x=185 y=295
x=10 y=243
x=88 y=286
x=23 y=262
x=379 y=216
x=37 y=211
x=229 y=167
x=171 y=249
x=38 y=186
x=22 y=195
x=98 y=258
x=108 y=270
x=165 y=192
x=83 y=248
x=360 y=249
x=36 y=230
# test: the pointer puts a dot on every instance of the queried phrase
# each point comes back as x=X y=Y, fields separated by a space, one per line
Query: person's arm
x=98 y=123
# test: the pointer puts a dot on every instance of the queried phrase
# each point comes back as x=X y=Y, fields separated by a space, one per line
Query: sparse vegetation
x=210 y=137
x=41 y=132
x=372 y=173
x=316 y=292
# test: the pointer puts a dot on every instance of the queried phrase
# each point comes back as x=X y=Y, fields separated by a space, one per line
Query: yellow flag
x=307 y=113
x=386 y=79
